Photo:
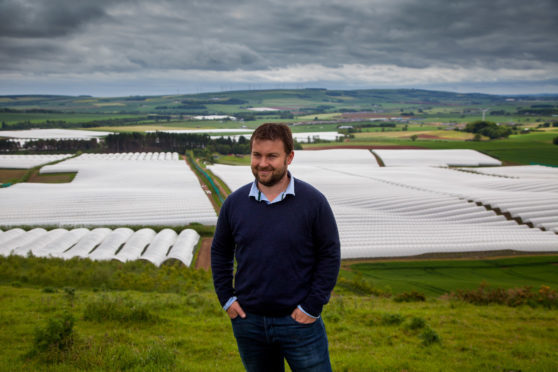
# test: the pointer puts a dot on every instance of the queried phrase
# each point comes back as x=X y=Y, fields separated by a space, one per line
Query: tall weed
x=513 y=297
x=112 y=308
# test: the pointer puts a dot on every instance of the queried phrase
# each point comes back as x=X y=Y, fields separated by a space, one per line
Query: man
x=284 y=237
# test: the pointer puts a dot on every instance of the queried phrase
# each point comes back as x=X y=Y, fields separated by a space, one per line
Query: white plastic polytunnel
x=56 y=247
x=37 y=244
x=11 y=245
x=135 y=245
x=412 y=210
x=28 y=161
x=9 y=235
x=157 y=251
x=111 y=189
x=87 y=243
x=183 y=248
x=111 y=244
x=102 y=244
x=406 y=158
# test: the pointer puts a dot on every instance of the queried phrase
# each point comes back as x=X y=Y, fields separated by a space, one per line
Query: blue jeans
x=264 y=342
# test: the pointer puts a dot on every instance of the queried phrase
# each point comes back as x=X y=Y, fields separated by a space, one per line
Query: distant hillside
x=235 y=101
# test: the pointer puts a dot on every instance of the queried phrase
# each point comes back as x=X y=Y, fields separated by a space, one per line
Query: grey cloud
x=44 y=19
x=38 y=36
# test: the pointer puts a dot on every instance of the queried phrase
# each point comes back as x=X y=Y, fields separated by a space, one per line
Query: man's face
x=269 y=161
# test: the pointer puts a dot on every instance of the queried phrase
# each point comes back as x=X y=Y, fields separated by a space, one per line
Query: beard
x=272 y=179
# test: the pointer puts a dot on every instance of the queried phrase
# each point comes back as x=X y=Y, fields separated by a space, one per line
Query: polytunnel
x=57 y=246
x=183 y=248
x=38 y=243
x=157 y=251
x=87 y=243
x=135 y=245
x=22 y=240
x=111 y=244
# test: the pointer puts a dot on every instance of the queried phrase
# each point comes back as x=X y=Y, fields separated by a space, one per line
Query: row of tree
x=133 y=142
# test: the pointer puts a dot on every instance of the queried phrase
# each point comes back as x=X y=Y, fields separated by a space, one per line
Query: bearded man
x=284 y=237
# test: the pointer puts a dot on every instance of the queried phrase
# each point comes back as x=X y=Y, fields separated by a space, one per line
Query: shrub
x=359 y=285
x=56 y=335
x=415 y=323
x=392 y=319
x=429 y=337
x=546 y=296
x=412 y=296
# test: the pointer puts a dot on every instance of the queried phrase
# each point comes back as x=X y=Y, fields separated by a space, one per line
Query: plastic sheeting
x=122 y=244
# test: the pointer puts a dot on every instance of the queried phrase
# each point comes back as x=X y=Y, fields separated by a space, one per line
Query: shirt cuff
x=301 y=309
x=230 y=302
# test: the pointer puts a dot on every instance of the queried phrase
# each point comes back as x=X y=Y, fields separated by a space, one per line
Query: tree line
x=133 y=142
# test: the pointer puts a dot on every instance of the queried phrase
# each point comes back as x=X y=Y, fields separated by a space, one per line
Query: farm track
x=204 y=257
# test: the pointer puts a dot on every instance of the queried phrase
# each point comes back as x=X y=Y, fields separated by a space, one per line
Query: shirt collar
x=260 y=196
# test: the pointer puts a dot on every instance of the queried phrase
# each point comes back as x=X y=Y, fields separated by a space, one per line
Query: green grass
x=435 y=278
x=181 y=327
x=232 y=159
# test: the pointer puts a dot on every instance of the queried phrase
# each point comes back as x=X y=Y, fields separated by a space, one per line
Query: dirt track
x=204 y=257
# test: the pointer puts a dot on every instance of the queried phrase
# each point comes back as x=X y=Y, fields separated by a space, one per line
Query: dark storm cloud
x=44 y=19
x=72 y=36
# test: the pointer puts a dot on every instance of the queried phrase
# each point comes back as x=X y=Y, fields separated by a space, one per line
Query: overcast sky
x=145 y=47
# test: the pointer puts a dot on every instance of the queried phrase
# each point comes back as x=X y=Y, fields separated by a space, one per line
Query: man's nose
x=263 y=162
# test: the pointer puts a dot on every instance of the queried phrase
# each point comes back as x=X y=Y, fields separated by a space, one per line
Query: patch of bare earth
x=9 y=174
x=204 y=256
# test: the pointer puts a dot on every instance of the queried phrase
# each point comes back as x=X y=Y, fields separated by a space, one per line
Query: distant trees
x=158 y=141
x=50 y=145
x=488 y=129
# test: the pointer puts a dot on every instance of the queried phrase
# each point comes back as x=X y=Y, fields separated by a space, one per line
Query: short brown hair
x=272 y=132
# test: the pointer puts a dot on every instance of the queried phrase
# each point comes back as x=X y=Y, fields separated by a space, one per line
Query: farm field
x=111 y=189
x=157 y=326
x=156 y=313
x=396 y=211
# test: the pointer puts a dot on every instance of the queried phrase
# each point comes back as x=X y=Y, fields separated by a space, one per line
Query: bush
x=410 y=297
x=359 y=285
x=429 y=337
x=56 y=335
x=546 y=296
x=415 y=323
x=392 y=319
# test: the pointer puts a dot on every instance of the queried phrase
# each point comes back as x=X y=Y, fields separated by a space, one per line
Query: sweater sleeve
x=328 y=259
x=222 y=257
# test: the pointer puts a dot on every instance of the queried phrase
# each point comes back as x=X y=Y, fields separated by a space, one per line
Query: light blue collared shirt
x=260 y=196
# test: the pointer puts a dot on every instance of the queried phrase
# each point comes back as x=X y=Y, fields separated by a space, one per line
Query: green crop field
x=435 y=278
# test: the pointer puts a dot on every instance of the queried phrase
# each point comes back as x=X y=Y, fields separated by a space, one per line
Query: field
x=436 y=277
x=175 y=323
x=76 y=314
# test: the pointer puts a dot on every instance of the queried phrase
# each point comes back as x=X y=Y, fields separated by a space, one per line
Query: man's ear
x=290 y=158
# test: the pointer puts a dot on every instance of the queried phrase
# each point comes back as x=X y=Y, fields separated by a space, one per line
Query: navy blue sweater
x=287 y=253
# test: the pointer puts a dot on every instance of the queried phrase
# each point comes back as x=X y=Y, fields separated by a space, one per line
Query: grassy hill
x=80 y=315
